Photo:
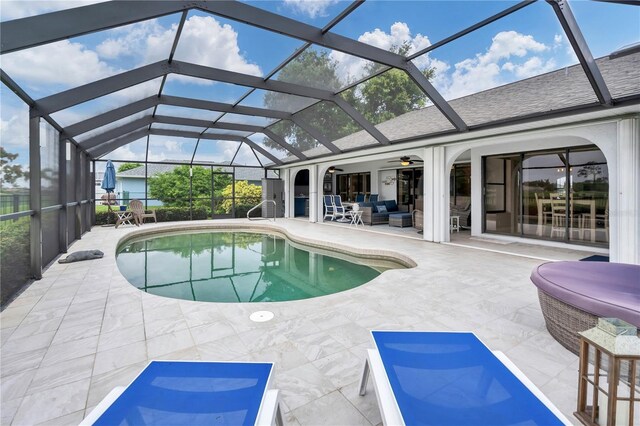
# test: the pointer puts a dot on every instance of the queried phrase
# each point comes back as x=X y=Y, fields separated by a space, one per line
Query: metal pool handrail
x=260 y=205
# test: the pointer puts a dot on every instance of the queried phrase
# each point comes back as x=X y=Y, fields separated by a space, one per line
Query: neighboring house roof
x=242 y=173
x=566 y=87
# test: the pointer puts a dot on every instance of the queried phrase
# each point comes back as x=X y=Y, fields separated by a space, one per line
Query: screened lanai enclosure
x=195 y=102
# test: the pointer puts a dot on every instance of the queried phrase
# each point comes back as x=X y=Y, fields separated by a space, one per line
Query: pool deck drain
x=261 y=316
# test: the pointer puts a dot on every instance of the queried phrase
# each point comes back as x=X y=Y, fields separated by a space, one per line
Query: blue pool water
x=240 y=267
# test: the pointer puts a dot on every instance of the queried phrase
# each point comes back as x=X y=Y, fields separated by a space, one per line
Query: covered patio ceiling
x=282 y=116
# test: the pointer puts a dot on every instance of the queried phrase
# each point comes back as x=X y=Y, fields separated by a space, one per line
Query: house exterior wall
x=617 y=137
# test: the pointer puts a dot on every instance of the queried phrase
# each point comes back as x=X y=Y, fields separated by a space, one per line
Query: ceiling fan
x=333 y=169
x=406 y=161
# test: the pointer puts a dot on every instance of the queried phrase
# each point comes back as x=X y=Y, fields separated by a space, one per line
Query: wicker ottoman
x=400 y=219
x=573 y=295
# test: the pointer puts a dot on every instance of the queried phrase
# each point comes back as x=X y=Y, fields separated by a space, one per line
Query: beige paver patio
x=83 y=329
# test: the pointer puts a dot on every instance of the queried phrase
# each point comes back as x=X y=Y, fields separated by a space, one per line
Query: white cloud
x=63 y=62
x=206 y=42
x=132 y=40
x=22 y=8
x=311 y=8
x=352 y=68
x=489 y=69
x=14 y=132
x=534 y=66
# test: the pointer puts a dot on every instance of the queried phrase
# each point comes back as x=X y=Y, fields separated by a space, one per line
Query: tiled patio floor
x=71 y=337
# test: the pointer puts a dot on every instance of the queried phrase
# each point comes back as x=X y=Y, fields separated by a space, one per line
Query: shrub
x=163 y=214
x=15 y=256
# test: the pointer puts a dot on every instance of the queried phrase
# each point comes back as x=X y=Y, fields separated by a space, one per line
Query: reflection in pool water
x=239 y=267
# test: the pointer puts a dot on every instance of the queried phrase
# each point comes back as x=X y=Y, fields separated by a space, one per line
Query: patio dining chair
x=373 y=198
x=339 y=209
x=193 y=393
x=139 y=213
x=329 y=210
x=360 y=198
x=451 y=378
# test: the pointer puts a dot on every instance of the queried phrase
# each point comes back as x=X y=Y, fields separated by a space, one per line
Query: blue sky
x=526 y=43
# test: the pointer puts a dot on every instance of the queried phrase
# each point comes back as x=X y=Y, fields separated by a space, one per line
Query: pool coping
x=387 y=255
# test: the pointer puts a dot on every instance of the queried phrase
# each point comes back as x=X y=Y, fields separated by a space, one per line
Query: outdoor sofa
x=372 y=216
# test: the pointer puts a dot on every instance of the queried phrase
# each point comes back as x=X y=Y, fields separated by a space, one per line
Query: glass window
x=460 y=184
x=349 y=185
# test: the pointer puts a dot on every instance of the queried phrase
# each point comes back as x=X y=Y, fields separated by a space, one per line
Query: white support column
x=285 y=175
x=313 y=193
x=440 y=198
x=427 y=190
x=625 y=220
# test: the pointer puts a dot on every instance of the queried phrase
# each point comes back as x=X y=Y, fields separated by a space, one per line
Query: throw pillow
x=382 y=208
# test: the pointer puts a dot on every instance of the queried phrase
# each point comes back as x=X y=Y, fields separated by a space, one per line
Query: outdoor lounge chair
x=140 y=213
x=329 y=210
x=451 y=378
x=193 y=393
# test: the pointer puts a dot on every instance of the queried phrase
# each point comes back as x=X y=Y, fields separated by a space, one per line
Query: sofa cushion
x=382 y=208
x=368 y=204
x=392 y=206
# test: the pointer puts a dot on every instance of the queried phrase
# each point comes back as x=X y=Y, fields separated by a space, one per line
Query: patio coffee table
x=451 y=378
x=400 y=219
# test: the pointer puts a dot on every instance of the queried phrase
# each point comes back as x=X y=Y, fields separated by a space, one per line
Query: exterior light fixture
x=405 y=163
x=609 y=374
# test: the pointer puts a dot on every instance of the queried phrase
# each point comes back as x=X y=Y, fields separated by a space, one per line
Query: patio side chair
x=340 y=210
x=329 y=209
x=139 y=213
x=373 y=198
x=360 y=198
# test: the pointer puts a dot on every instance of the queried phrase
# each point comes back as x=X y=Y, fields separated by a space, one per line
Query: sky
x=524 y=44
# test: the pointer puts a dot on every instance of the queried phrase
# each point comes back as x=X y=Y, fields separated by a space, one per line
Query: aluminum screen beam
x=222 y=107
x=152 y=101
x=114 y=144
x=108 y=85
x=581 y=48
x=110 y=116
x=95 y=89
x=438 y=101
x=196 y=135
x=130 y=78
x=230 y=126
x=205 y=123
x=472 y=28
x=316 y=135
x=270 y=21
x=359 y=118
x=33 y=31
x=116 y=133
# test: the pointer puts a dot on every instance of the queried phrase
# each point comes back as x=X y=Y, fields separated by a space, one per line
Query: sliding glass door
x=560 y=195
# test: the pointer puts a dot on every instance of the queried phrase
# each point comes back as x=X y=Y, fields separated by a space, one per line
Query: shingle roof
x=242 y=173
x=555 y=90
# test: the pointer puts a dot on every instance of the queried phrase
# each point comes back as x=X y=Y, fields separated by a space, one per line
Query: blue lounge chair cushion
x=441 y=378
x=191 y=393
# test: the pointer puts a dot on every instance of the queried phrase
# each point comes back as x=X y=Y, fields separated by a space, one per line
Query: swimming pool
x=240 y=266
